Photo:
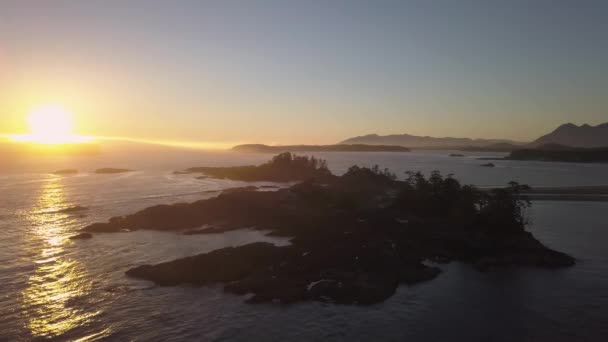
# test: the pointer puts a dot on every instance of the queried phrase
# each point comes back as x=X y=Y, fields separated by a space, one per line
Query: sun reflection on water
x=54 y=301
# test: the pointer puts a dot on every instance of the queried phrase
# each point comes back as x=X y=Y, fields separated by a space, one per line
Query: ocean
x=54 y=288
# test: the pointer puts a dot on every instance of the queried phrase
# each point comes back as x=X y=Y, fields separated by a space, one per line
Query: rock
x=279 y=274
x=109 y=170
x=222 y=265
x=488 y=165
x=242 y=188
x=65 y=172
x=417 y=273
x=102 y=228
x=81 y=236
x=209 y=230
x=354 y=238
x=517 y=250
x=73 y=209
x=183 y=172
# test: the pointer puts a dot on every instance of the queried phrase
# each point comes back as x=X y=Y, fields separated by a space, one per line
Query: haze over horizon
x=287 y=72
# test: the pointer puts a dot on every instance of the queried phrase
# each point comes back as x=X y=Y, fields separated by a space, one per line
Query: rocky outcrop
x=355 y=266
x=354 y=238
x=81 y=236
x=349 y=274
x=109 y=170
x=74 y=209
x=66 y=172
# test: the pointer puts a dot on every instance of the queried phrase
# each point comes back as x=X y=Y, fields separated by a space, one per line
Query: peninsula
x=569 y=155
x=558 y=153
x=354 y=238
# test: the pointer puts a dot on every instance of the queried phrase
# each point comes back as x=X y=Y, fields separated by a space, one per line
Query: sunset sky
x=305 y=71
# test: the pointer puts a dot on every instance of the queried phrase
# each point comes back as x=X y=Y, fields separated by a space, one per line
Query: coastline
x=585 y=193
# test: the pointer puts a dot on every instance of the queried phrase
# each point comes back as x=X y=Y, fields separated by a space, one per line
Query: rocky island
x=354 y=238
x=110 y=170
x=74 y=209
x=284 y=167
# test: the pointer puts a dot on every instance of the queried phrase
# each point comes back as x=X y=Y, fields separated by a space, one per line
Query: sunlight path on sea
x=50 y=302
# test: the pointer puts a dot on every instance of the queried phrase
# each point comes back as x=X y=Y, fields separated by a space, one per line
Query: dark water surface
x=53 y=288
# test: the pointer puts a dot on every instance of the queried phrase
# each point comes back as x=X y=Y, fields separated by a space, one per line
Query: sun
x=50 y=124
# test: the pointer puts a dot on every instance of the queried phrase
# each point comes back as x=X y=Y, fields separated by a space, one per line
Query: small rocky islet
x=111 y=170
x=354 y=238
x=73 y=209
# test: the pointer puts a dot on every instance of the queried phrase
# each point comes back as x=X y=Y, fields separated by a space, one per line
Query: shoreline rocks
x=74 y=209
x=81 y=236
x=354 y=238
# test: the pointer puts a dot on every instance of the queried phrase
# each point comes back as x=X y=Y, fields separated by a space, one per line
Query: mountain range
x=576 y=136
x=414 y=141
x=567 y=135
x=318 y=148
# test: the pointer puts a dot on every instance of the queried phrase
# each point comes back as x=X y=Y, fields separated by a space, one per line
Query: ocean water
x=54 y=288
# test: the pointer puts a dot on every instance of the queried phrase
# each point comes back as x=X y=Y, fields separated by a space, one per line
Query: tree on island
x=284 y=167
x=501 y=209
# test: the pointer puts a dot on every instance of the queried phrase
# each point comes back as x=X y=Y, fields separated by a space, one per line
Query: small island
x=74 y=209
x=285 y=167
x=110 y=170
x=354 y=238
x=66 y=172
x=260 y=148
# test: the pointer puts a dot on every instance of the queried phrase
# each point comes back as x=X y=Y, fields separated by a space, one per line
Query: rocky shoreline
x=354 y=238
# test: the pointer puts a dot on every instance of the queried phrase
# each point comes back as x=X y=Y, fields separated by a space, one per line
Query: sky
x=284 y=72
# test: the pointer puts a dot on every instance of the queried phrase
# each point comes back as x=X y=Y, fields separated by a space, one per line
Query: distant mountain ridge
x=260 y=148
x=414 y=141
x=576 y=136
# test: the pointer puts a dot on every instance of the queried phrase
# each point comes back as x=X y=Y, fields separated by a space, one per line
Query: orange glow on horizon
x=50 y=125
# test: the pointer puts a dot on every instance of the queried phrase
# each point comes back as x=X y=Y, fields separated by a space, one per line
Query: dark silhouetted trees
x=284 y=167
x=437 y=196
x=369 y=176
